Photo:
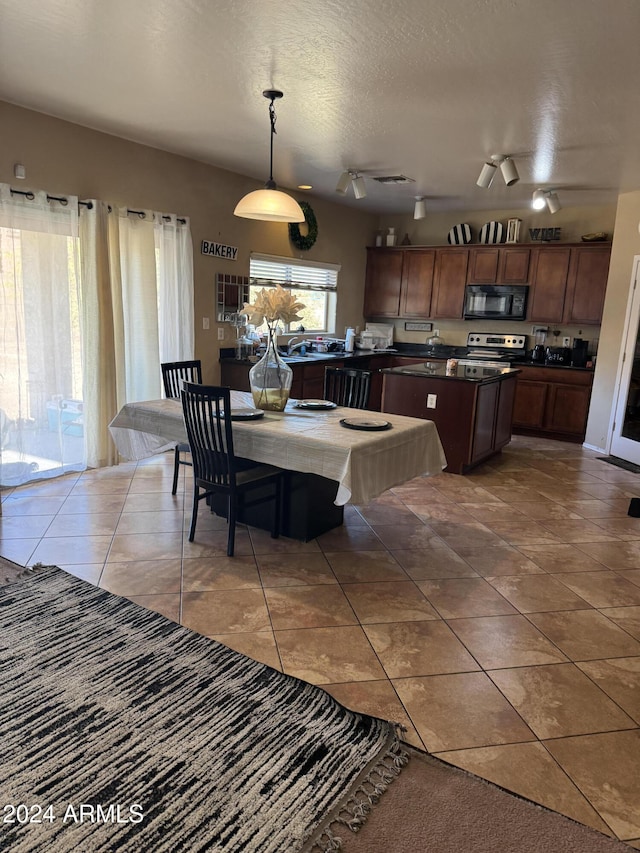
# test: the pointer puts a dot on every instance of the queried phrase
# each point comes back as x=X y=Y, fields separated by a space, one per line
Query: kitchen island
x=472 y=407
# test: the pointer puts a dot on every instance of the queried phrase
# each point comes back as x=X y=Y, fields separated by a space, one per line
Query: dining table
x=326 y=463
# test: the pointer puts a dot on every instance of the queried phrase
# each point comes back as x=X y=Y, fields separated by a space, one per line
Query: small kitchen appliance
x=495 y=302
x=558 y=355
x=579 y=353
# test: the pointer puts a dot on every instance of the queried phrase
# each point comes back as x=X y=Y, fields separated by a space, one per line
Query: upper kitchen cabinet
x=568 y=284
x=499 y=265
x=399 y=282
x=586 y=285
x=449 y=280
x=548 y=283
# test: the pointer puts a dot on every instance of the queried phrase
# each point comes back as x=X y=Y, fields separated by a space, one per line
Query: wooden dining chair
x=347 y=386
x=173 y=375
x=216 y=469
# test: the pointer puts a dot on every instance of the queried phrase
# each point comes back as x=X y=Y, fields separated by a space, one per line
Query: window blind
x=269 y=270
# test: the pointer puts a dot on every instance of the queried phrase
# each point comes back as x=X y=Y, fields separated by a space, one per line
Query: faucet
x=291 y=347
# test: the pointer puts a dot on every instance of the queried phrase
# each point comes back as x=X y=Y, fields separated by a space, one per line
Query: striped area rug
x=122 y=731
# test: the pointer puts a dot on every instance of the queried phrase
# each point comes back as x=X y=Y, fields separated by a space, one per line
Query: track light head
x=419 y=210
x=538 y=199
x=344 y=183
x=509 y=171
x=486 y=175
x=359 y=189
x=553 y=203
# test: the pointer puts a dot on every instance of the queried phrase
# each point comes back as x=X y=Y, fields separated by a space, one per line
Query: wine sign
x=544 y=235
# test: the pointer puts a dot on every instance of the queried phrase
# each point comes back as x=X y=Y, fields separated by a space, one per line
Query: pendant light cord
x=271 y=184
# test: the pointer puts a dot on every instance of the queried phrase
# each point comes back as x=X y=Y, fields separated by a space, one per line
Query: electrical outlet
x=220 y=333
x=205 y=322
x=431 y=400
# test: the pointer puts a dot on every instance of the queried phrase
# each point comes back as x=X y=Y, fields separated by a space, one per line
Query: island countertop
x=476 y=372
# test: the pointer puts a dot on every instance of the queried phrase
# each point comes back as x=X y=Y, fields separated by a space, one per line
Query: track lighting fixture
x=538 y=200
x=507 y=167
x=509 y=172
x=485 y=178
x=419 y=210
x=541 y=198
x=270 y=204
x=348 y=178
x=359 y=189
x=553 y=203
x=344 y=183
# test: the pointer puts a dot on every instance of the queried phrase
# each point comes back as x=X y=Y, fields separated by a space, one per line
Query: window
x=312 y=283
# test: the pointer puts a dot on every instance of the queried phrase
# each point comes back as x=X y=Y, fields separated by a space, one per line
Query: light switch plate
x=431 y=401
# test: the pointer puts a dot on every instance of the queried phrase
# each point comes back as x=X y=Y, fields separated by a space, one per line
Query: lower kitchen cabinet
x=552 y=402
x=473 y=418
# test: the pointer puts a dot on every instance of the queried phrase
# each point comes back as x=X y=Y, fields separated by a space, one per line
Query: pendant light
x=419 y=209
x=270 y=204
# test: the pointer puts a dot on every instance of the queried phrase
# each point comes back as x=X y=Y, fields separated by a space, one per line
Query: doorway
x=625 y=439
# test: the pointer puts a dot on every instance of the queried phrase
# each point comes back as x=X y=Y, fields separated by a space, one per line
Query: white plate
x=315 y=404
x=365 y=423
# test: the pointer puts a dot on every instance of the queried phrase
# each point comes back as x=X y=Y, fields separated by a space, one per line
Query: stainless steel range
x=493 y=349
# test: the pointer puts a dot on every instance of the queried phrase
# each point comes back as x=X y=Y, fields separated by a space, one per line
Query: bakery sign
x=219 y=250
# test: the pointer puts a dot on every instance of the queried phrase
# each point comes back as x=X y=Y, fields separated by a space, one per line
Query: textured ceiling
x=426 y=88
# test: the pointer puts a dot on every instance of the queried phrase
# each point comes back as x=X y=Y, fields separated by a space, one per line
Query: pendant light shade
x=419 y=210
x=270 y=204
x=344 y=183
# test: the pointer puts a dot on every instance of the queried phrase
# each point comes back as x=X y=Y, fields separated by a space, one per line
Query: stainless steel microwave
x=495 y=301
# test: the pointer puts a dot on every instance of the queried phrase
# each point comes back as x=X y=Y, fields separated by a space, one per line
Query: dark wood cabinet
x=586 y=285
x=399 y=282
x=567 y=281
x=552 y=402
x=383 y=283
x=498 y=265
x=449 y=281
x=549 y=271
x=473 y=419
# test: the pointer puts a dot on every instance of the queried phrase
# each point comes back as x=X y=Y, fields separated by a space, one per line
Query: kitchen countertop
x=402 y=350
x=478 y=373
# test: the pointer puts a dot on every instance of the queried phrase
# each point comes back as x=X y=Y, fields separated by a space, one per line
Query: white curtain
x=41 y=369
x=91 y=305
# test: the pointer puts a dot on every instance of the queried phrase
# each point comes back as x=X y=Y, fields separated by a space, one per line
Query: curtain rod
x=64 y=201
x=142 y=215
x=88 y=204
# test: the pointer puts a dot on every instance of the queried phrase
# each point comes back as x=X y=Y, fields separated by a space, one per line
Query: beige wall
x=61 y=157
x=626 y=244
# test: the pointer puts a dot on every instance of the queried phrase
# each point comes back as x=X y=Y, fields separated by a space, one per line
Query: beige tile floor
x=496 y=615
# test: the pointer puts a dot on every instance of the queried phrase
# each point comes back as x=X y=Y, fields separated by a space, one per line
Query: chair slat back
x=207 y=417
x=174 y=373
x=347 y=386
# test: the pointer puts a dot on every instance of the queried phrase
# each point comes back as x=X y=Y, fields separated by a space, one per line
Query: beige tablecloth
x=363 y=464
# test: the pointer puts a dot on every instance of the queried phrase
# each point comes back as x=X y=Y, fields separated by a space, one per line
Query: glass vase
x=270 y=378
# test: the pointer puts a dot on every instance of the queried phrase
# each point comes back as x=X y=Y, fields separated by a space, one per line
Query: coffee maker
x=579 y=353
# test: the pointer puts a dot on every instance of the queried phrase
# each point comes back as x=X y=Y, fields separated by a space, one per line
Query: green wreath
x=299 y=240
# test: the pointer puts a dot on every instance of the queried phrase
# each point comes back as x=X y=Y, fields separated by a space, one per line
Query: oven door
x=493 y=302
